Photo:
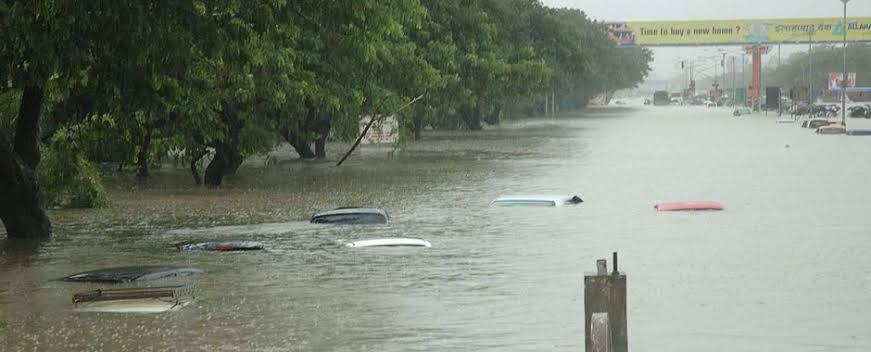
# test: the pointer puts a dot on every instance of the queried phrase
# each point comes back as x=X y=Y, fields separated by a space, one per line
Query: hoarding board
x=836 y=77
x=750 y=31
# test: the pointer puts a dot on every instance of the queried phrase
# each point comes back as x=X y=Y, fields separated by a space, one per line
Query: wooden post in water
x=605 y=293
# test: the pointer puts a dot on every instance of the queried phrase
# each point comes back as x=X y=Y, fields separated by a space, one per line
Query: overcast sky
x=666 y=59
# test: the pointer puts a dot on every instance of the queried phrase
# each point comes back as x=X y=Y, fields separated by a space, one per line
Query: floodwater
x=784 y=268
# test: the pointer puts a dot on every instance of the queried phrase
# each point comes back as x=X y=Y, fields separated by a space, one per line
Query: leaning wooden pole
x=371 y=121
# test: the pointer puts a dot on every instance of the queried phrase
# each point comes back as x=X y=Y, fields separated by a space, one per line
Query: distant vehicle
x=710 y=104
x=646 y=101
x=619 y=102
x=535 y=201
x=351 y=216
x=859 y=111
x=741 y=112
x=660 y=98
x=674 y=101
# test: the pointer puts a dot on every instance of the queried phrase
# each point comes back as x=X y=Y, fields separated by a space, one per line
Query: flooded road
x=784 y=268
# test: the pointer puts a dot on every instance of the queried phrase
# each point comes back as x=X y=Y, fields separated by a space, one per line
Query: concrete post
x=606 y=294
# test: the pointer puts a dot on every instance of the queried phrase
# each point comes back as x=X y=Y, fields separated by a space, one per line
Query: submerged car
x=815 y=123
x=741 y=112
x=126 y=274
x=833 y=128
x=535 y=201
x=221 y=246
x=134 y=300
x=351 y=216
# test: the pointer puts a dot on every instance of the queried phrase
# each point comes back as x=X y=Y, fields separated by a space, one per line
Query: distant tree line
x=127 y=81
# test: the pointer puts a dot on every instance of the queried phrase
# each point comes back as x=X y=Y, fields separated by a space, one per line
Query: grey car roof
x=350 y=210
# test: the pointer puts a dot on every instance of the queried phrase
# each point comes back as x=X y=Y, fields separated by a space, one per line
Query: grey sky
x=665 y=59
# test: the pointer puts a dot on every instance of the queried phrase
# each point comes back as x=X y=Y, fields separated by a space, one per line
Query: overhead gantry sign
x=739 y=32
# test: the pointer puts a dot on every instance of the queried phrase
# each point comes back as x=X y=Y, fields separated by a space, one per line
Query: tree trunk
x=472 y=117
x=214 y=174
x=321 y=127
x=27 y=126
x=232 y=144
x=417 y=123
x=299 y=144
x=493 y=117
x=20 y=207
x=196 y=158
x=142 y=158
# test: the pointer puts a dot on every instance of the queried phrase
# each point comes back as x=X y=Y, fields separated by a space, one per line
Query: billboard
x=758 y=31
x=836 y=77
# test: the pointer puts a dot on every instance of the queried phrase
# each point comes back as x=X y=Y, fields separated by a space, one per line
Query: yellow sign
x=762 y=31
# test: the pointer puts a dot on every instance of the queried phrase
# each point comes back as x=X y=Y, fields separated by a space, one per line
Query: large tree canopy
x=125 y=82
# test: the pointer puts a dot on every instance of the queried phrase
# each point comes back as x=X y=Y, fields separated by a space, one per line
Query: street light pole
x=844 y=78
x=810 y=69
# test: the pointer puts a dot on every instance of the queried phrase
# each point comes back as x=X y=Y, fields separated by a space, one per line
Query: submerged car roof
x=557 y=199
x=350 y=210
x=132 y=273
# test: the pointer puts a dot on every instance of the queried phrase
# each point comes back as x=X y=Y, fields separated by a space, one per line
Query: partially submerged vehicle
x=134 y=300
x=832 y=128
x=126 y=274
x=815 y=123
x=351 y=216
x=390 y=242
x=859 y=132
x=221 y=246
x=688 y=206
x=741 y=112
x=535 y=201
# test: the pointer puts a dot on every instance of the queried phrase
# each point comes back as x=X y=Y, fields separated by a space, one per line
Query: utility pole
x=844 y=78
x=810 y=68
x=743 y=78
x=734 y=91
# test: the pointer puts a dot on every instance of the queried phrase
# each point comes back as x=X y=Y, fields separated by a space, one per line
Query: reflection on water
x=784 y=268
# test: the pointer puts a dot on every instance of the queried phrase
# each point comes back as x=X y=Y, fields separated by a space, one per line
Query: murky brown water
x=784 y=268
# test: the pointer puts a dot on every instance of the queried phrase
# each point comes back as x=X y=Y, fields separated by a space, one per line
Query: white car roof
x=557 y=199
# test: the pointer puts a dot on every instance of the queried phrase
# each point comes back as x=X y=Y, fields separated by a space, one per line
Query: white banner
x=385 y=130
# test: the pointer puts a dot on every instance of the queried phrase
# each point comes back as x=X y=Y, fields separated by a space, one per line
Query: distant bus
x=661 y=97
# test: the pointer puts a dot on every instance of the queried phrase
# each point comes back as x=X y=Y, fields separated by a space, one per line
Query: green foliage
x=159 y=75
x=67 y=177
x=794 y=70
